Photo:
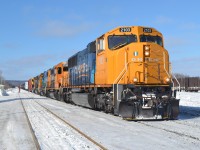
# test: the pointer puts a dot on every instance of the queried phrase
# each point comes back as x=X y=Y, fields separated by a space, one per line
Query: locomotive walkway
x=105 y=130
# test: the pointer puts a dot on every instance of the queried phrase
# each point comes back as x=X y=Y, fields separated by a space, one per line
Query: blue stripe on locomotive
x=82 y=66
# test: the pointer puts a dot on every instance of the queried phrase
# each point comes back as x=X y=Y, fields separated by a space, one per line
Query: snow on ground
x=111 y=131
x=189 y=105
x=53 y=133
x=12 y=91
x=189 y=98
x=14 y=130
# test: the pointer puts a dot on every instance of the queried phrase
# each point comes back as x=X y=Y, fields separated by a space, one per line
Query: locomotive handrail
x=166 y=70
x=121 y=74
x=169 y=75
x=179 y=86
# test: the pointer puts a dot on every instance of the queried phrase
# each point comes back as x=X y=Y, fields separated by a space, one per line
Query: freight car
x=188 y=84
x=24 y=85
x=126 y=71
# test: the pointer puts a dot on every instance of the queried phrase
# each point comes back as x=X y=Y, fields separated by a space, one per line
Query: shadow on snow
x=189 y=112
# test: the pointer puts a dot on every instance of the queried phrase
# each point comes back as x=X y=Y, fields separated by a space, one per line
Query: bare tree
x=179 y=75
x=2 y=80
x=1 y=77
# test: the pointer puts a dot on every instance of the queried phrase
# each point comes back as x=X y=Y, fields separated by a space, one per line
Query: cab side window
x=100 y=45
x=59 y=70
x=65 y=68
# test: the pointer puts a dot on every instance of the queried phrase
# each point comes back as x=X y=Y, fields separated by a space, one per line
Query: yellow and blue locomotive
x=126 y=71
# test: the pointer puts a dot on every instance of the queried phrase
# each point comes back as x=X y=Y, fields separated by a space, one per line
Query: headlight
x=167 y=79
x=135 y=79
x=146 y=47
x=146 y=53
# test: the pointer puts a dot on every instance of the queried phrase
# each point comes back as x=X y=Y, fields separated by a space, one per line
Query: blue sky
x=35 y=35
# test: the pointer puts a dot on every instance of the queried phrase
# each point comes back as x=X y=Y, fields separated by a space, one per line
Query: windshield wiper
x=119 y=45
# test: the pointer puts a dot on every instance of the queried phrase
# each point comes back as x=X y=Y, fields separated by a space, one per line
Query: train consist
x=188 y=84
x=126 y=71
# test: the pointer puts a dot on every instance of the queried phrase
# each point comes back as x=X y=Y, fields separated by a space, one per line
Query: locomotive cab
x=57 y=79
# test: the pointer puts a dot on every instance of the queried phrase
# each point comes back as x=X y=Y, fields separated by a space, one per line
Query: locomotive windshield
x=118 y=41
x=150 y=38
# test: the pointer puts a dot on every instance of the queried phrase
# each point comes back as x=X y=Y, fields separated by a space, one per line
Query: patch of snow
x=191 y=99
x=12 y=91
x=3 y=92
x=57 y=107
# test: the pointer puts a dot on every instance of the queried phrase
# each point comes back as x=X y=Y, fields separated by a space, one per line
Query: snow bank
x=3 y=92
x=12 y=91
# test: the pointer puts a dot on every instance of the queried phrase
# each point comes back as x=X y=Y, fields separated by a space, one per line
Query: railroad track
x=168 y=127
x=70 y=125
x=30 y=127
x=169 y=131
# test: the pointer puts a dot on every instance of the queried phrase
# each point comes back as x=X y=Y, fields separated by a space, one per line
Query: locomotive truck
x=125 y=71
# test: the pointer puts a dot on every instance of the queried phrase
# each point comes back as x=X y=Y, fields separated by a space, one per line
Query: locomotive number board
x=126 y=29
x=147 y=30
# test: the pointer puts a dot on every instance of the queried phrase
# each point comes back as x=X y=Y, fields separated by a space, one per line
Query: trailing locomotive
x=126 y=71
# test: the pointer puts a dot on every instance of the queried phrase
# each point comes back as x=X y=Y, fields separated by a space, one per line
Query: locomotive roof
x=117 y=28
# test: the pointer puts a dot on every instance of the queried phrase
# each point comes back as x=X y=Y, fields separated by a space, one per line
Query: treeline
x=179 y=75
x=2 y=80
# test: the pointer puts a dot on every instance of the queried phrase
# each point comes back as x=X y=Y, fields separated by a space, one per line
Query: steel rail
x=73 y=127
x=30 y=127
